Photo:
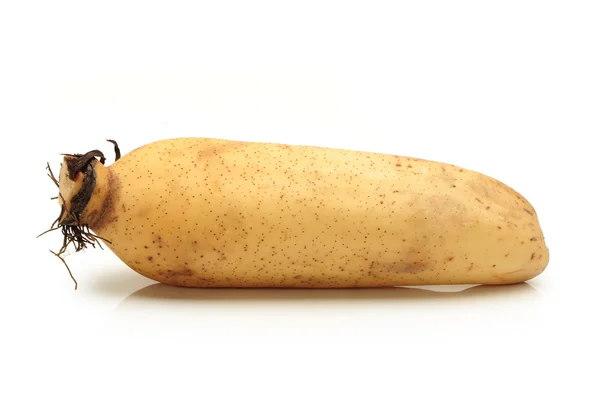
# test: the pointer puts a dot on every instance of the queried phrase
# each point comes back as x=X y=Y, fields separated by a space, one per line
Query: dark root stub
x=78 y=162
x=75 y=233
x=117 y=150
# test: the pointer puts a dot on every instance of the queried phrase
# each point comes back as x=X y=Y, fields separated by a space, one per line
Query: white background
x=508 y=88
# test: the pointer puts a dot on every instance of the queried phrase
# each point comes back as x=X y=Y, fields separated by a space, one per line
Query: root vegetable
x=217 y=213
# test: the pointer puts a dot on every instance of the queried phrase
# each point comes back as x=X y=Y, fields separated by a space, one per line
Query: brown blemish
x=178 y=273
x=450 y=258
x=182 y=272
x=533 y=239
x=150 y=258
x=405 y=268
x=218 y=149
x=532 y=256
x=528 y=211
x=108 y=214
x=413 y=263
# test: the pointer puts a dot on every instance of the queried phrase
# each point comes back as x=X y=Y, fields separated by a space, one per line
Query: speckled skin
x=217 y=213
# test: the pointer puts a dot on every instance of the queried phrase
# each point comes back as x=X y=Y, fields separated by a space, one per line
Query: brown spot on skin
x=405 y=268
x=182 y=272
x=480 y=188
x=177 y=273
x=507 y=254
x=150 y=258
x=217 y=150
x=478 y=200
x=108 y=215
x=409 y=166
x=532 y=256
x=528 y=211
x=450 y=258
x=123 y=207
x=533 y=239
x=398 y=165
x=470 y=268
x=412 y=263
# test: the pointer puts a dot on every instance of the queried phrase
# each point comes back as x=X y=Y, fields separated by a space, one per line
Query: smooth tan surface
x=207 y=212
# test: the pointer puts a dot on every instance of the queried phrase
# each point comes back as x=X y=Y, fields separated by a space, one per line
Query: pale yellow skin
x=208 y=212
